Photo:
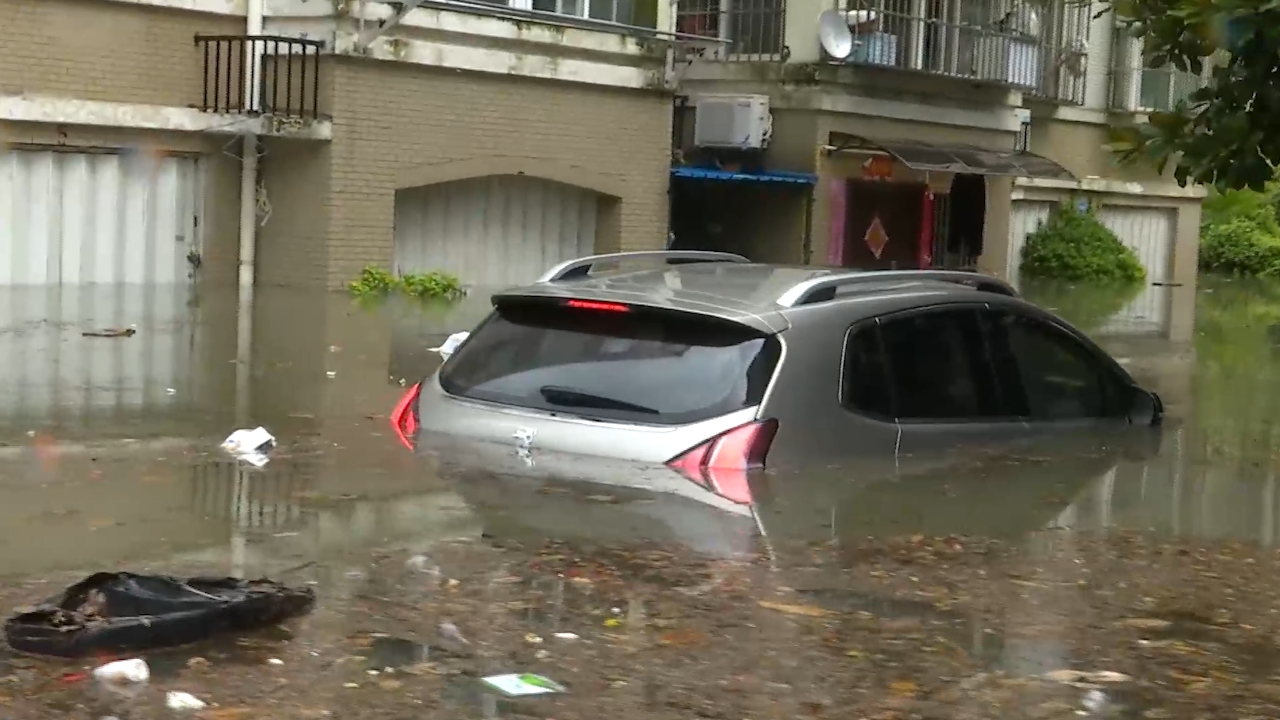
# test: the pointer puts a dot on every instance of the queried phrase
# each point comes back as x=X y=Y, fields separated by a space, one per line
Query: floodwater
x=1138 y=585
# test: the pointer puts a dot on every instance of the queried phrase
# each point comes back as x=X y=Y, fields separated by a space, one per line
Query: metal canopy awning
x=771 y=176
x=930 y=157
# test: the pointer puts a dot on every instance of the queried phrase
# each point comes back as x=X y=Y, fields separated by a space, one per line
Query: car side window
x=1061 y=378
x=939 y=366
x=864 y=380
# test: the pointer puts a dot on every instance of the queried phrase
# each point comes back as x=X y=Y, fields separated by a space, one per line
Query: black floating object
x=123 y=612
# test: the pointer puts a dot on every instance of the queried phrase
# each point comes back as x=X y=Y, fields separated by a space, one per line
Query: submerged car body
x=710 y=364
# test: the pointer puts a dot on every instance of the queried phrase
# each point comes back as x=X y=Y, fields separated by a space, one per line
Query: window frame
x=1114 y=378
x=872 y=324
x=978 y=309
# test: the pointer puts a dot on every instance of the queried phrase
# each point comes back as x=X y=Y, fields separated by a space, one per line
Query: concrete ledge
x=502 y=62
x=71 y=111
x=1111 y=187
x=212 y=7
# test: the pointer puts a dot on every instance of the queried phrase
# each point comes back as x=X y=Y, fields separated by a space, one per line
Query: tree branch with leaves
x=1227 y=133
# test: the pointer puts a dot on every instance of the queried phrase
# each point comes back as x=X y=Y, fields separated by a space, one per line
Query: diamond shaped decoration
x=876 y=238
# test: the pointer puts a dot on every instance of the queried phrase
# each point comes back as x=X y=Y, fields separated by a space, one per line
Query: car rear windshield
x=647 y=366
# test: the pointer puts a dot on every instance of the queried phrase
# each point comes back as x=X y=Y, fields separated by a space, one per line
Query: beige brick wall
x=390 y=119
x=96 y=50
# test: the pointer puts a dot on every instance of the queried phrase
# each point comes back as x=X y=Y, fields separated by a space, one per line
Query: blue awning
x=772 y=176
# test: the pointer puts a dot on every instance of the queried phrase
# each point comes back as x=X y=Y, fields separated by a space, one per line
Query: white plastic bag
x=134 y=671
x=183 y=701
x=451 y=344
x=250 y=445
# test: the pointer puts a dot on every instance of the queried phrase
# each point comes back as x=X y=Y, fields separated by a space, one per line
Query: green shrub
x=432 y=286
x=1245 y=245
x=374 y=282
x=1076 y=247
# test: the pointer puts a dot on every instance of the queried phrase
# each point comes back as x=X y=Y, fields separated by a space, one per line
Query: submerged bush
x=1076 y=247
x=376 y=282
x=1240 y=232
x=432 y=285
x=1241 y=246
x=373 y=282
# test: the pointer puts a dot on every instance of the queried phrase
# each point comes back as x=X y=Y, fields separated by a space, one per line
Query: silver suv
x=710 y=363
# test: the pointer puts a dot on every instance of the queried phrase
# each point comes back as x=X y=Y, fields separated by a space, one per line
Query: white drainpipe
x=249 y=164
x=248 y=213
x=248 y=253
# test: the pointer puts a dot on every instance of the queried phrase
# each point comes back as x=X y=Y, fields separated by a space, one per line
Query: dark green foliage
x=1076 y=247
x=1224 y=134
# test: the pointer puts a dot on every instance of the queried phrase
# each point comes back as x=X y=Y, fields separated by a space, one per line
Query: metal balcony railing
x=1038 y=47
x=288 y=82
x=754 y=29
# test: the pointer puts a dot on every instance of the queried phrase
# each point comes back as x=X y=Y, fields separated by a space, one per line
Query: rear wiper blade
x=568 y=397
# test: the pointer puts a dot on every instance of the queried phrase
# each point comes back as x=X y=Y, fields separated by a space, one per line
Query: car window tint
x=1061 y=378
x=864 y=380
x=651 y=366
x=939 y=366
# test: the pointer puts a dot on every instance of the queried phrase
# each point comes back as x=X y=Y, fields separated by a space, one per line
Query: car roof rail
x=823 y=288
x=580 y=267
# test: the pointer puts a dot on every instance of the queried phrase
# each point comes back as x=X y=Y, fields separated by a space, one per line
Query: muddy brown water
x=975 y=592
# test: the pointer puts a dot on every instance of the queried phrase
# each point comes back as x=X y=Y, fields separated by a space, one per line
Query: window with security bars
x=1161 y=89
x=638 y=13
x=753 y=29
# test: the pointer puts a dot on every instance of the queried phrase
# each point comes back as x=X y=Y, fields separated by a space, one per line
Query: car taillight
x=597 y=305
x=404 y=418
x=721 y=464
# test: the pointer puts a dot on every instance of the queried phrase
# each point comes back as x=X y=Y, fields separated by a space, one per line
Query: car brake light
x=404 y=418
x=596 y=305
x=721 y=464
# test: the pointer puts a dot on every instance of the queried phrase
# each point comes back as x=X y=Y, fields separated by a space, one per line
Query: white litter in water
x=183 y=701
x=124 y=671
x=566 y=636
x=250 y=445
x=275 y=661
x=450 y=344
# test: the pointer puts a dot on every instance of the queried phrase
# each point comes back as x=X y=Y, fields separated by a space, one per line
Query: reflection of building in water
x=267 y=499
x=1190 y=490
x=61 y=512
x=416 y=328
x=158 y=369
x=284 y=499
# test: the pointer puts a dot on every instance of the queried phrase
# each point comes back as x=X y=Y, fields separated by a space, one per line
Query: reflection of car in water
x=1002 y=495
x=710 y=364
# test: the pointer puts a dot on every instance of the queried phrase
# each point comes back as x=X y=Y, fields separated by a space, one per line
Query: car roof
x=754 y=294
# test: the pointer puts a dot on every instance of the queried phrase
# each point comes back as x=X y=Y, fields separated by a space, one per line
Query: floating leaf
x=806 y=610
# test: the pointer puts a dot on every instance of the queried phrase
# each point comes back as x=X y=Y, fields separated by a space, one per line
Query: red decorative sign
x=876 y=238
x=877 y=167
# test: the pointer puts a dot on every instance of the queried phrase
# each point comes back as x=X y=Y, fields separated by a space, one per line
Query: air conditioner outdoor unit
x=741 y=122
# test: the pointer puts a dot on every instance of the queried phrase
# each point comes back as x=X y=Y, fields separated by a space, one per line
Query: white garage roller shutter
x=1150 y=233
x=493 y=231
x=69 y=218
x=1025 y=219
